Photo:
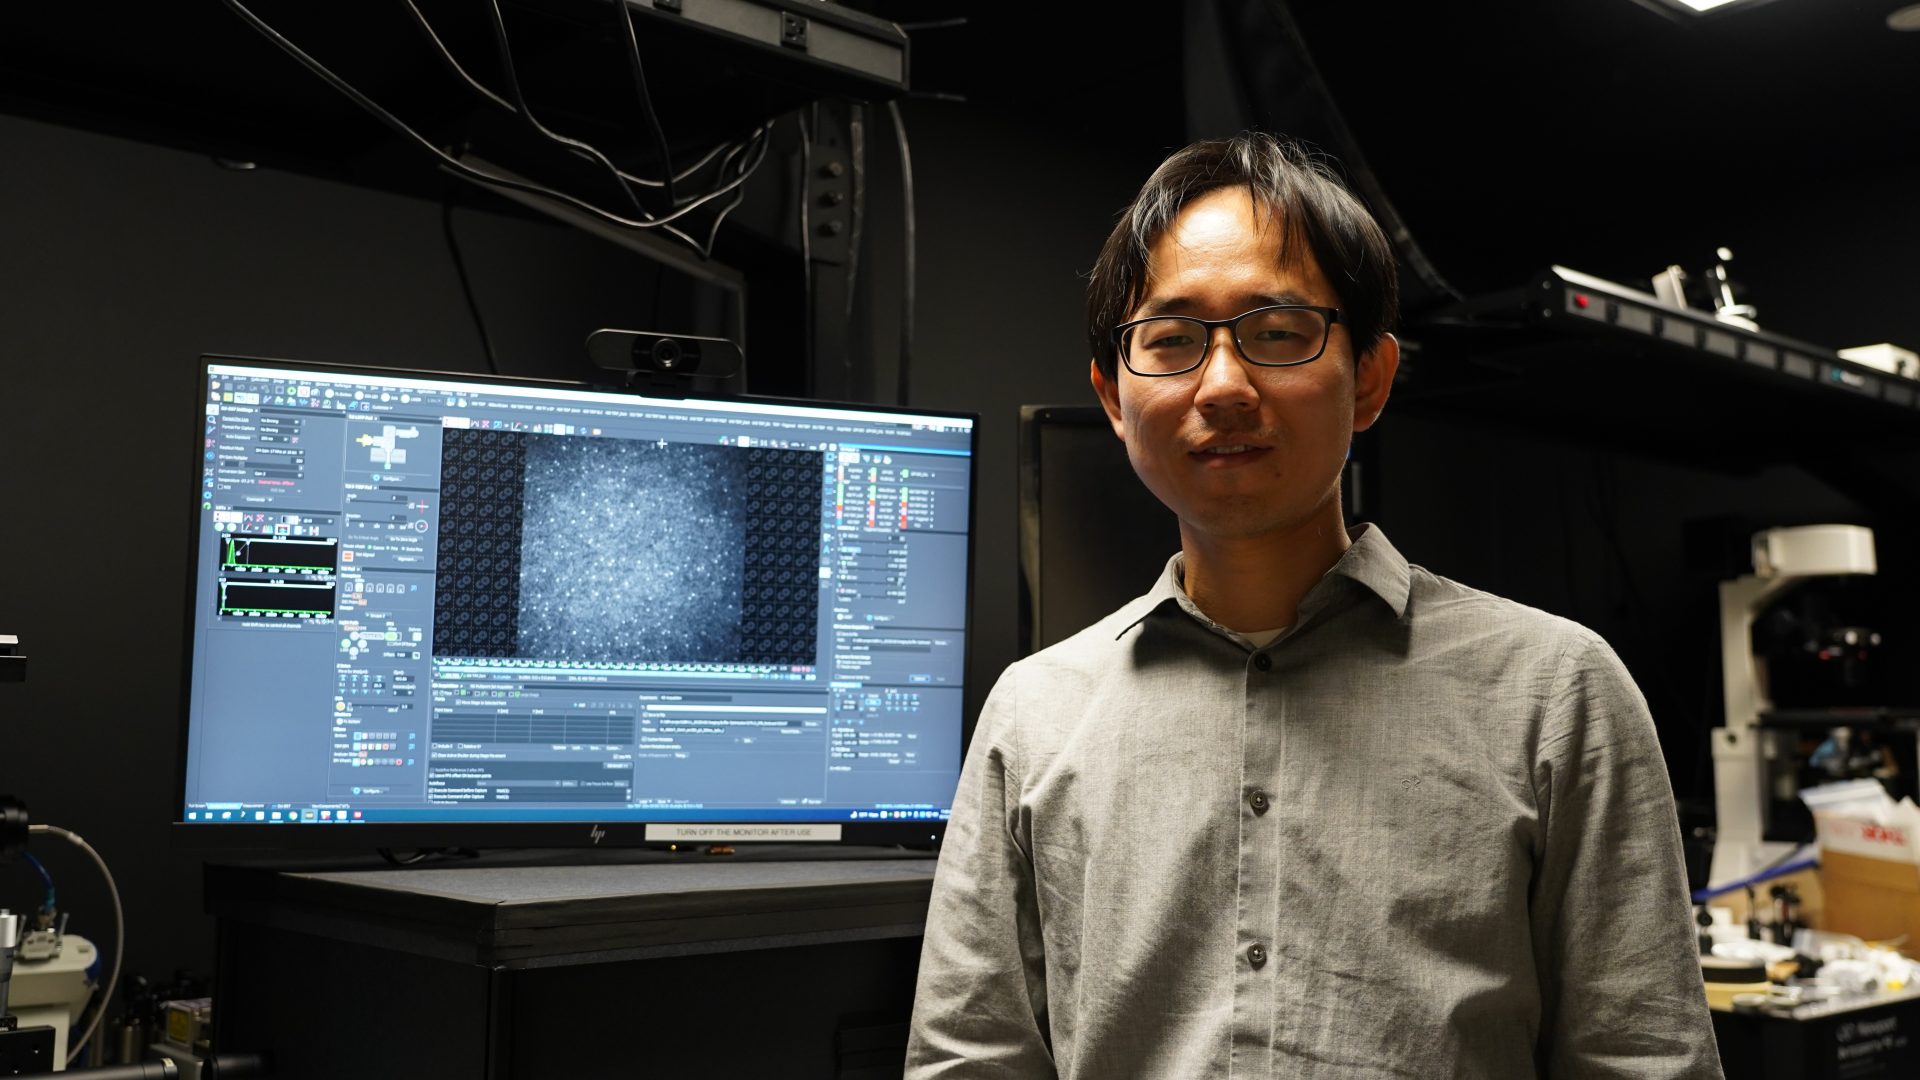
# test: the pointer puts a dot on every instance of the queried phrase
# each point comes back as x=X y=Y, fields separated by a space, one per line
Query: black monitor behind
x=1098 y=534
x=1092 y=536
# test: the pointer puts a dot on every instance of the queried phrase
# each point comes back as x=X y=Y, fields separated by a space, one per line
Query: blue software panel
x=421 y=598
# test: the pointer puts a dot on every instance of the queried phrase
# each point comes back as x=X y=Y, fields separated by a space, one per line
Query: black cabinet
x=752 y=968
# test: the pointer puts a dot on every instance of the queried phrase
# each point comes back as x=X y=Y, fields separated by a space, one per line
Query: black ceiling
x=194 y=75
x=1605 y=135
x=1509 y=133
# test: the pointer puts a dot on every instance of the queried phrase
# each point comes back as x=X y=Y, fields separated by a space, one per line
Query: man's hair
x=1311 y=204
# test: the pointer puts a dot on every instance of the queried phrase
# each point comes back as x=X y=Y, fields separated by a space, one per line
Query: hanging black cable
x=446 y=57
x=526 y=113
x=646 y=97
x=907 y=281
x=460 y=72
x=460 y=168
x=466 y=285
x=746 y=167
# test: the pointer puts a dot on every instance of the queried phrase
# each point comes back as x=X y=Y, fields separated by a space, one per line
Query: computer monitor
x=439 y=610
x=1092 y=537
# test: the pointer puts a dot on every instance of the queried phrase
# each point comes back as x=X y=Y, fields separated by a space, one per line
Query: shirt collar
x=1374 y=562
x=1370 y=561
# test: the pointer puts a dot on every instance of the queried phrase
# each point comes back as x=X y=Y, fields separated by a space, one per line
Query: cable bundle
x=738 y=159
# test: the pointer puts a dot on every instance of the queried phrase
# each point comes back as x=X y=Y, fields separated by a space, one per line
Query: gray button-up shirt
x=1427 y=832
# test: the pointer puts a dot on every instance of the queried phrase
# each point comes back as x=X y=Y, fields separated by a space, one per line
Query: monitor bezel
x=363 y=836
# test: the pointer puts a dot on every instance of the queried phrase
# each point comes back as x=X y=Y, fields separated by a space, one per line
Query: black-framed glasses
x=1281 y=335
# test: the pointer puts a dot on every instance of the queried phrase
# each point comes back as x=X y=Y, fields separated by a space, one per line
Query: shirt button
x=1262 y=661
x=1257 y=956
x=1258 y=800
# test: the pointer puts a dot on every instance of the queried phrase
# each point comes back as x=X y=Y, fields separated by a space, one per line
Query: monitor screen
x=1092 y=537
x=487 y=612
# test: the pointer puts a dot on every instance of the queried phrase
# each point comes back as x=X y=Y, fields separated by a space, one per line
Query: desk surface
x=528 y=916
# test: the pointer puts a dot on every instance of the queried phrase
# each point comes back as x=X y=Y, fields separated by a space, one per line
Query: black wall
x=1609 y=540
x=125 y=261
x=121 y=262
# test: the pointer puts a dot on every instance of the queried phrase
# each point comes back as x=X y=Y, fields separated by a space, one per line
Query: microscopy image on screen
x=631 y=552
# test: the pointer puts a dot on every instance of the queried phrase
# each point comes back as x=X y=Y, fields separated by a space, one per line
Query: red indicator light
x=1579 y=300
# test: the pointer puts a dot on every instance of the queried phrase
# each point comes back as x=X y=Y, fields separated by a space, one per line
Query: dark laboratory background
x=172 y=184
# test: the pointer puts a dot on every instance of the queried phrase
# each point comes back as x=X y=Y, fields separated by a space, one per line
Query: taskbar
x=465 y=815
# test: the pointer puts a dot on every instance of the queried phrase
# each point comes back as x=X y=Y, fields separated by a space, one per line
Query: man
x=1302 y=810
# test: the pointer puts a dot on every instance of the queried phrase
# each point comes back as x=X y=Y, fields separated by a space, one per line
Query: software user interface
x=424 y=599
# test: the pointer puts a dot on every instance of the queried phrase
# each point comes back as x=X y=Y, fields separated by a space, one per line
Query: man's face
x=1237 y=450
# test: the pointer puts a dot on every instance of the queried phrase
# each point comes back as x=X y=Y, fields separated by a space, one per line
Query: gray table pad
x=549 y=915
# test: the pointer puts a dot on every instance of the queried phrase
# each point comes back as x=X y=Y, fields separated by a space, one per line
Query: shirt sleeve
x=1619 y=970
x=980 y=1009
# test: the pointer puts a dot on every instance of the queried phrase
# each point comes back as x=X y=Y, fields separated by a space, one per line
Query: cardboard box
x=1870 y=880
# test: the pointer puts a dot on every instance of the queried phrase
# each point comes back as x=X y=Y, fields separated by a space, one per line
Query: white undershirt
x=1263 y=638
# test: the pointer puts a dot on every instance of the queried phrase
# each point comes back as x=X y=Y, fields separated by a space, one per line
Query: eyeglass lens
x=1269 y=336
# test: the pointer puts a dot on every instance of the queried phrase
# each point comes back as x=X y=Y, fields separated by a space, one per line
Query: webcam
x=647 y=355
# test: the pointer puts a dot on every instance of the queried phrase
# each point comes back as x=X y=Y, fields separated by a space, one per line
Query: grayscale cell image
x=630 y=551
x=636 y=552
x=604 y=550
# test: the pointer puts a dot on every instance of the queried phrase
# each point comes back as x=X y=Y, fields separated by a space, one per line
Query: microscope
x=36 y=1050
x=1752 y=762
x=22 y=1049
